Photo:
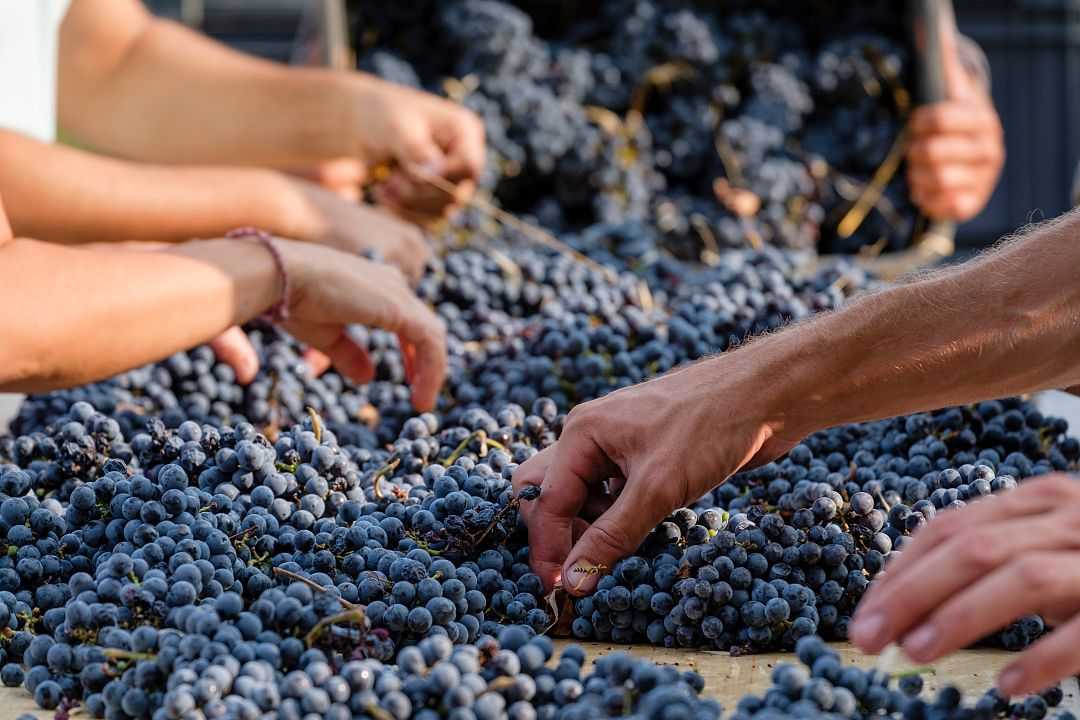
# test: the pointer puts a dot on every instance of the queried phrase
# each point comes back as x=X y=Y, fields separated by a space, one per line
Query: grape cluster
x=723 y=126
x=820 y=685
x=212 y=570
x=788 y=549
x=523 y=323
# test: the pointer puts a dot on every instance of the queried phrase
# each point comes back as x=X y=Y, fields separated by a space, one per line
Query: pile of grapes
x=717 y=125
x=177 y=545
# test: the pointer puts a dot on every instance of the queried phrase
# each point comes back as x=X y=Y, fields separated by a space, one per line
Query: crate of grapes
x=643 y=129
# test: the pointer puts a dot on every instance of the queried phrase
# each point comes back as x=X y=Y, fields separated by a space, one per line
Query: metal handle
x=928 y=17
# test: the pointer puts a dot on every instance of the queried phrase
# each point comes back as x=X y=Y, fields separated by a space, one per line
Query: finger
x=957 y=205
x=532 y=471
x=233 y=348
x=950 y=149
x=1021 y=586
x=952 y=117
x=1049 y=660
x=417 y=148
x=465 y=149
x=351 y=359
x=580 y=528
x=317 y=361
x=614 y=535
x=425 y=335
x=943 y=178
x=419 y=195
x=576 y=463
x=1034 y=497
x=389 y=199
x=881 y=617
x=408 y=359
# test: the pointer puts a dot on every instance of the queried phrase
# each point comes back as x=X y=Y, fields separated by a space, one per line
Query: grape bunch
x=716 y=127
x=138 y=553
x=523 y=323
x=820 y=685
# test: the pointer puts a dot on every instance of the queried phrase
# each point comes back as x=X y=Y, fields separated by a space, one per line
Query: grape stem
x=315 y=586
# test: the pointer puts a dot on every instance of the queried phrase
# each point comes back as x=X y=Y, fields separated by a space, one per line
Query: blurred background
x=1033 y=47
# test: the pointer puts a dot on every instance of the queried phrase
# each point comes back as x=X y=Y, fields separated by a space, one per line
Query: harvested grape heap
x=182 y=546
x=721 y=124
x=179 y=544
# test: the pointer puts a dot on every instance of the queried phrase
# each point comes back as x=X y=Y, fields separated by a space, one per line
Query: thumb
x=615 y=534
x=418 y=149
x=958 y=84
x=233 y=348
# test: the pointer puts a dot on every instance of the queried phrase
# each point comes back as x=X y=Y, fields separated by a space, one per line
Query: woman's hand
x=353 y=228
x=417 y=131
x=974 y=570
x=330 y=290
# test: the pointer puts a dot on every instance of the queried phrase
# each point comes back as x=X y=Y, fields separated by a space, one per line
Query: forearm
x=171 y=95
x=69 y=196
x=72 y=316
x=1005 y=324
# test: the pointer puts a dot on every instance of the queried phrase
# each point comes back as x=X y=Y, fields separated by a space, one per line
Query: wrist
x=248 y=275
x=291 y=211
x=786 y=381
x=359 y=107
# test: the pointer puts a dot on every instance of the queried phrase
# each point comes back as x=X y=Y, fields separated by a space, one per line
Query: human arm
x=61 y=299
x=149 y=89
x=70 y=196
x=1003 y=324
x=956 y=147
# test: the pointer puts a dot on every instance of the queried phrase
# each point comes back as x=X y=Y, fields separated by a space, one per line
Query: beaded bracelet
x=279 y=311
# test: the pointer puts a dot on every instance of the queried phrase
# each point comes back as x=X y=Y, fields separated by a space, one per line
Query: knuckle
x=611 y=538
x=1038 y=573
x=939 y=175
x=984 y=549
x=395 y=275
x=1057 y=487
x=579 y=418
x=934 y=152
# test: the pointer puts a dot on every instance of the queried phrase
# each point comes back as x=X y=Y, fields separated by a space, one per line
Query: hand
x=345 y=177
x=419 y=131
x=330 y=290
x=663 y=443
x=354 y=228
x=233 y=348
x=972 y=571
x=957 y=147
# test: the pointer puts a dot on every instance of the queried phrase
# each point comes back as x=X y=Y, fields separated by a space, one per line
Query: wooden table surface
x=728 y=678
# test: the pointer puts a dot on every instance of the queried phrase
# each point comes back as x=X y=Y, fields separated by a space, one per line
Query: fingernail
x=919 y=645
x=870 y=630
x=580 y=578
x=1011 y=681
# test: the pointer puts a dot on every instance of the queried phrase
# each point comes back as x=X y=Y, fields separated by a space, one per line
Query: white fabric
x=29 y=39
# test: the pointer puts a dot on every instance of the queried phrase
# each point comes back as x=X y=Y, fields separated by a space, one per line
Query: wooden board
x=727 y=678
